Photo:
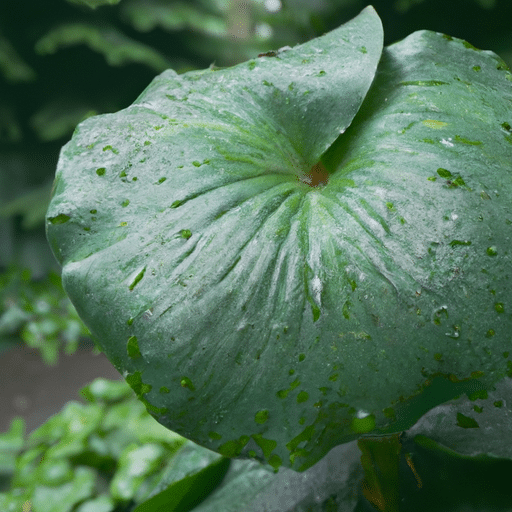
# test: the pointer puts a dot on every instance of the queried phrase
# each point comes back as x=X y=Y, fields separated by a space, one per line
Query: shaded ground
x=35 y=391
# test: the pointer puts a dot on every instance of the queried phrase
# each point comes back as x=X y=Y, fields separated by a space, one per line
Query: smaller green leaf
x=103 y=503
x=64 y=497
x=31 y=206
x=466 y=422
x=380 y=460
x=10 y=503
x=12 y=319
x=90 y=446
x=58 y=119
x=54 y=472
x=135 y=465
x=103 y=390
x=11 y=443
x=147 y=15
x=10 y=129
x=432 y=474
x=128 y=421
x=117 y=48
x=193 y=474
x=473 y=424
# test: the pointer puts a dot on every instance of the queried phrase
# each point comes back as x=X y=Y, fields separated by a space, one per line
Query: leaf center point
x=317 y=176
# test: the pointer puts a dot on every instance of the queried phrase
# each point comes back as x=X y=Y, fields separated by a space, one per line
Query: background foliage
x=64 y=60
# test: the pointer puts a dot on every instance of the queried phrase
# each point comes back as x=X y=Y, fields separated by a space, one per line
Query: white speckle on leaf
x=316 y=289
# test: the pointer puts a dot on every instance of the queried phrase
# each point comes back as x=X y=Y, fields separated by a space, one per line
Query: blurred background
x=64 y=60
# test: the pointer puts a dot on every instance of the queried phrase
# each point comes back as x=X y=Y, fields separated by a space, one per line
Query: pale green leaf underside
x=146 y=15
x=259 y=316
x=13 y=68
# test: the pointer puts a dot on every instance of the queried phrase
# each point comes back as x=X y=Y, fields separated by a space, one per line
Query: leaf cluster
x=39 y=313
x=109 y=455
x=100 y=456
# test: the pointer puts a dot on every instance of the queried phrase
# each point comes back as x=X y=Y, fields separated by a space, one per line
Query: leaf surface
x=260 y=316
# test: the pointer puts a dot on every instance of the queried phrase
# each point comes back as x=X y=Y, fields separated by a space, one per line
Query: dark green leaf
x=490 y=411
x=380 y=460
x=59 y=118
x=404 y=472
x=335 y=266
x=434 y=477
x=11 y=443
x=146 y=15
x=12 y=65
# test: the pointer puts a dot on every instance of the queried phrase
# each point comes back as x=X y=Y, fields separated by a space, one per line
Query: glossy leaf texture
x=258 y=315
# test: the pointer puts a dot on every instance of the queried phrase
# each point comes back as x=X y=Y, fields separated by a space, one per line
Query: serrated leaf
x=117 y=48
x=295 y=274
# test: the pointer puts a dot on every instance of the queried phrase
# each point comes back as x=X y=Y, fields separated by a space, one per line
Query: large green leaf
x=271 y=288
